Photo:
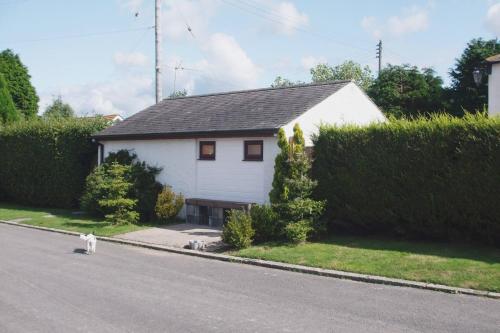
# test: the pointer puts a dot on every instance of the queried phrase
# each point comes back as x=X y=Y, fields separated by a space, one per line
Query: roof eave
x=187 y=135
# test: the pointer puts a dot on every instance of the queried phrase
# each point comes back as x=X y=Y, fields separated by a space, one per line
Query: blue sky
x=99 y=56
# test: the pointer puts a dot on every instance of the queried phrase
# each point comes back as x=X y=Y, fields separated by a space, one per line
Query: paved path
x=47 y=286
x=176 y=235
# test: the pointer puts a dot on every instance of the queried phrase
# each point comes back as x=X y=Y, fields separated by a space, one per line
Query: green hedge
x=45 y=162
x=427 y=178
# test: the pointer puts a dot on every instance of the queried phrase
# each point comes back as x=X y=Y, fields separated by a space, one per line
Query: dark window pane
x=207 y=150
x=254 y=150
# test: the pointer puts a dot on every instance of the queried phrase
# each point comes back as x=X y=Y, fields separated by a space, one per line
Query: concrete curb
x=283 y=266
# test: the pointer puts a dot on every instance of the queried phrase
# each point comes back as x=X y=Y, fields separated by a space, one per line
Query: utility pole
x=379 y=56
x=158 y=51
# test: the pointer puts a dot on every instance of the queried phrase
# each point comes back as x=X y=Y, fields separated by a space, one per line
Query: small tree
x=281 y=82
x=295 y=187
x=178 y=93
x=8 y=111
x=59 y=109
x=116 y=200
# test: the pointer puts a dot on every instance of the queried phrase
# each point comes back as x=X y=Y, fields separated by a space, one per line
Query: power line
x=275 y=17
x=92 y=34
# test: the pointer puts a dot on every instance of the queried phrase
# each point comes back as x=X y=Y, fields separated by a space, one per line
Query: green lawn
x=448 y=264
x=63 y=219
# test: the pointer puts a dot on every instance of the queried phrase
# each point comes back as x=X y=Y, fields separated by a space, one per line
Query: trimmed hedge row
x=45 y=162
x=426 y=178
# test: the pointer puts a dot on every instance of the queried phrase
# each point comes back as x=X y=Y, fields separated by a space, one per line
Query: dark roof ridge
x=262 y=89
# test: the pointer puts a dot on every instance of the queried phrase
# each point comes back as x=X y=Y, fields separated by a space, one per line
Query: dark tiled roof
x=248 y=111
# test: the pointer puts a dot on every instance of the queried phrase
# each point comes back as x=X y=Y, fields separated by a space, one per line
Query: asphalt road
x=45 y=286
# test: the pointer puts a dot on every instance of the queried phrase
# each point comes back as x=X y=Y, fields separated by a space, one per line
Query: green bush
x=145 y=187
x=265 y=223
x=430 y=178
x=297 y=232
x=95 y=190
x=116 y=188
x=238 y=231
x=44 y=163
x=168 y=204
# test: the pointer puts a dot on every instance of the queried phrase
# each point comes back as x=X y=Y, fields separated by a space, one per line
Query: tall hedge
x=45 y=162
x=428 y=178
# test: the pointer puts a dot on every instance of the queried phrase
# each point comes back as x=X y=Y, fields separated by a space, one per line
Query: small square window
x=254 y=150
x=207 y=150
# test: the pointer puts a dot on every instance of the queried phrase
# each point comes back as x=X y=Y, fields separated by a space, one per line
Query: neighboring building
x=494 y=85
x=219 y=149
x=113 y=118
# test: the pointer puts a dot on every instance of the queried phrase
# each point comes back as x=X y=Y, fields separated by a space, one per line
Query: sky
x=98 y=55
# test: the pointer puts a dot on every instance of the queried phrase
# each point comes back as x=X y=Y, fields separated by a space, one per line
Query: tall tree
x=8 y=112
x=281 y=168
x=349 y=70
x=407 y=91
x=465 y=94
x=18 y=81
x=59 y=109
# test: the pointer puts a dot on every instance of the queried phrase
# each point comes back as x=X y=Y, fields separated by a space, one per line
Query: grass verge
x=449 y=264
x=63 y=219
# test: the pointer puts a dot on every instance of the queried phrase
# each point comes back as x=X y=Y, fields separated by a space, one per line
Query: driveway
x=177 y=235
x=46 y=285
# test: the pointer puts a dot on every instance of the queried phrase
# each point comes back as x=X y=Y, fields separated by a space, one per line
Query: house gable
x=349 y=105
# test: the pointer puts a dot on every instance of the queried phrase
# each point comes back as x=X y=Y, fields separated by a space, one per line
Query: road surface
x=47 y=286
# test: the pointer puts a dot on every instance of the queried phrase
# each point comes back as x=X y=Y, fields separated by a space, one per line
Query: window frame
x=248 y=158
x=203 y=157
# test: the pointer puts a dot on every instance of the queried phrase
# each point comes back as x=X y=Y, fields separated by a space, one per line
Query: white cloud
x=493 y=19
x=226 y=66
x=130 y=59
x=290 y=18
x=311 y=61
x=370 y=24
x=416 y=19
x=413 y=19
x=124 y=95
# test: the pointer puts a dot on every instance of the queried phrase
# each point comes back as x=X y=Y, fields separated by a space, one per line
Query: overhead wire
x=92 y=34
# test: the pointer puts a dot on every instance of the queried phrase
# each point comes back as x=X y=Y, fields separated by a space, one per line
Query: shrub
x=265 y=223
x=116 y=188
x=44 y=163
x=143 y=177
x=428 y=178
x=238 y=231
x=95 y=190
x=168 y=204
x=297 y=232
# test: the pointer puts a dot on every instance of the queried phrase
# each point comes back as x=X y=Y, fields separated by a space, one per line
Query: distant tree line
x=408 y=91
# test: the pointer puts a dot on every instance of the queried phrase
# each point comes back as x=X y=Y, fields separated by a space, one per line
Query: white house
x=494 y=85
x=219 y=149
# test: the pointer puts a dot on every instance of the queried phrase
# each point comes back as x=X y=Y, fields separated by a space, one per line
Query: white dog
x=91 y=241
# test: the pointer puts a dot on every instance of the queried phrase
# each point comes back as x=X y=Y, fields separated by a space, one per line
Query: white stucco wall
x=226 y=178
x=494 y=90
x=350 y=105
